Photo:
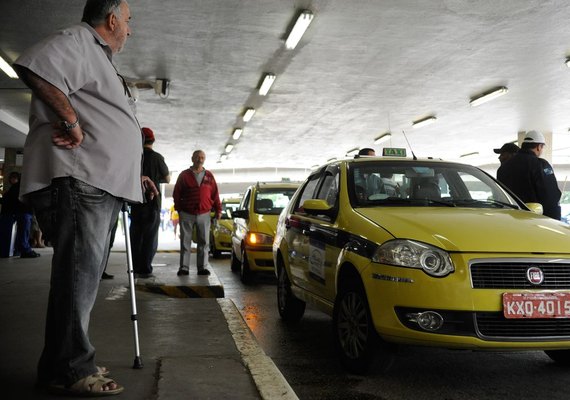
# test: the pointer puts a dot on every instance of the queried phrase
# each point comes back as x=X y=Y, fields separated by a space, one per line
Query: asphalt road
x=304 y=353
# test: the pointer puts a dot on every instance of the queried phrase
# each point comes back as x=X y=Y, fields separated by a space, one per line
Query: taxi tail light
x=430 y=321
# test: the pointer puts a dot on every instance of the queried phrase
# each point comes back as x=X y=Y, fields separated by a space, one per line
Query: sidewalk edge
x=270 y=383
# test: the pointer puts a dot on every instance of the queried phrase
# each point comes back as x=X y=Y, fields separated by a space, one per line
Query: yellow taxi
x=422 y=252
x=254 y=226
x=221 y=230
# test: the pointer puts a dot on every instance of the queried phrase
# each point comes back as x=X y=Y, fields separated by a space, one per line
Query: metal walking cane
x=125 y=212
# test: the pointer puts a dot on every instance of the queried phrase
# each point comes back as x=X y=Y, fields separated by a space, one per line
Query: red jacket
x=194 y=199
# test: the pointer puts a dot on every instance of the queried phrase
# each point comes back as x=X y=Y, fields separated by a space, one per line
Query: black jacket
x=532 y=179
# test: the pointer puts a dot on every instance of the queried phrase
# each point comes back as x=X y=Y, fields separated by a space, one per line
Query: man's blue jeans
x=78 y=219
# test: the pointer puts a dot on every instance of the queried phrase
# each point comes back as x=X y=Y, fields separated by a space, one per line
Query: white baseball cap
x=534 y=137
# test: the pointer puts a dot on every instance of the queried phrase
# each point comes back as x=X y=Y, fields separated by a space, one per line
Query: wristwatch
x=66 y=126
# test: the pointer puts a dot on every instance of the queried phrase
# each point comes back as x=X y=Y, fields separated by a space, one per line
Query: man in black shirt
x=145 y=218
x=532 y=178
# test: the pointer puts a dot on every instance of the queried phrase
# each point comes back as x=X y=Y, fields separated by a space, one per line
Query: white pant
x=187 y=224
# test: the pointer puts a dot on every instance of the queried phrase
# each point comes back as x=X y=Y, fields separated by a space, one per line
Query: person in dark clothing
x=145 y=217
x=506 y=152
x=532 y=178
x=15 y=210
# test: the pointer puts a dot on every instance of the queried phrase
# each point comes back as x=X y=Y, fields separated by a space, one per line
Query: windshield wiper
x=399 y=201
x=492 y=202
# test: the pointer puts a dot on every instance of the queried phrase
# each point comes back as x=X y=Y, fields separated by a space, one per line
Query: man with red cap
x=145 y=217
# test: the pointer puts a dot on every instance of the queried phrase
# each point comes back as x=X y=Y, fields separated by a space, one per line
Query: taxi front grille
x=513 y=276
x=495 y=325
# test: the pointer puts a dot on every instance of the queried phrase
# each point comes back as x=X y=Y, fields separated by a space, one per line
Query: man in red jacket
x=195 y=195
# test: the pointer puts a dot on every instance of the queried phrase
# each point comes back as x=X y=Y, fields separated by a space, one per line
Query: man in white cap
x=532 y=178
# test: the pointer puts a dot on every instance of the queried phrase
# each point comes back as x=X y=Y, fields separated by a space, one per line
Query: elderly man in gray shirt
x=82 y=160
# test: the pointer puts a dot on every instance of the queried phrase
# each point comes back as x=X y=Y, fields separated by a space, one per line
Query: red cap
x=148 y=134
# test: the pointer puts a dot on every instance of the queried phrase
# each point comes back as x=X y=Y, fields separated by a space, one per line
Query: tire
x=234 y=263
x=561 y=357
x=291 y=309
x=244 y=271
x=215 y=252
x=355 y=337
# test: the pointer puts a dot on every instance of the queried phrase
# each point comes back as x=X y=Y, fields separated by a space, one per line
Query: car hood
x=474 y=230
x=264 y=224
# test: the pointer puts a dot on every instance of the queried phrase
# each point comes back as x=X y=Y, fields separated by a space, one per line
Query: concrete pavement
x=192 y=348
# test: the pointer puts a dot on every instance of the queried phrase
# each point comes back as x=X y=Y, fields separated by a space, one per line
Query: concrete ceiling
x=363 y=68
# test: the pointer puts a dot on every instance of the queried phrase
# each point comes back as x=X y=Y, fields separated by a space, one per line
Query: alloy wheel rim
x=352 y=325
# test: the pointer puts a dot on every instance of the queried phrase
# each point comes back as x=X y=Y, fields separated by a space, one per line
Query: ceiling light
x=8 y=70
x=223 y=157
x=352 y=152
x=424 y=121
x=299 y=29
x=266 y=85
x=237 y=133
x=248 y=114
x=567 y=62
x=488 y=96
x=475 y=153
x=382 y=138
x=229 y=147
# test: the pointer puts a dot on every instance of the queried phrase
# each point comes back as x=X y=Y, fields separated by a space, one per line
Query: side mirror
x=535 y=208
x=316 y=207
x=240 y=214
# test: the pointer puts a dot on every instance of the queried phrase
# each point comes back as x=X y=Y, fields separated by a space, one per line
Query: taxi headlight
x=222 y=230
x=411 y=254
x=259 y=239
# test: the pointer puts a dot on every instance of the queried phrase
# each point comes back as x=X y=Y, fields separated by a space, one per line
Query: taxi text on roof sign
x=394 y=152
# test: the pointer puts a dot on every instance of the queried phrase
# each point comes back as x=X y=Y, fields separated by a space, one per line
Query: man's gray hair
x=96 y=11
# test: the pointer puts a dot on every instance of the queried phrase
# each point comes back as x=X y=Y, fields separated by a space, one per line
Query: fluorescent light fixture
x=383 y=137
x=248 y=114
x=474 y=153
x=488 y=96
x=237 y=133
x=229 y=148
x=8 y=70
x=223 y=157
x=567 y=62
x=424 y=121
x=352 y=152
x=299 y=29
x=266 y=85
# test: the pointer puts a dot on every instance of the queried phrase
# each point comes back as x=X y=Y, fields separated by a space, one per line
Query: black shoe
x=144 y=276
x=182 y=272
x=204 y=272
x=30 y=254
x=107 y=276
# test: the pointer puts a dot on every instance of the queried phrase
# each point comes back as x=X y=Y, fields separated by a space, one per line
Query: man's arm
x=59 y=104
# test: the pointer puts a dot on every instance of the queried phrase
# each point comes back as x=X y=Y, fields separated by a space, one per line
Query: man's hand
x=150 y=189
x=67 y=139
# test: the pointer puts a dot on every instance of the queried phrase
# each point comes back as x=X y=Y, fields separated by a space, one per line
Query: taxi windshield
x=272 y=201
x=421 y=184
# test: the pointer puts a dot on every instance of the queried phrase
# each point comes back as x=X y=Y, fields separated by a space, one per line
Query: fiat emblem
x=535 y=275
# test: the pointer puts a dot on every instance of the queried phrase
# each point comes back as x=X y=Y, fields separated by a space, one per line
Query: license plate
x=536 y=305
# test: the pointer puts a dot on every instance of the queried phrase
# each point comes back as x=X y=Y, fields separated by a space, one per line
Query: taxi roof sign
x=393 y=152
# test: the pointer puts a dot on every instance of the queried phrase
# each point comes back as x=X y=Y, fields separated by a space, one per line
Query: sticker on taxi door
x=317 y=260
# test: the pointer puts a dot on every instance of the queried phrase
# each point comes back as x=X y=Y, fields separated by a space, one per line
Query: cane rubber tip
x=138 y=364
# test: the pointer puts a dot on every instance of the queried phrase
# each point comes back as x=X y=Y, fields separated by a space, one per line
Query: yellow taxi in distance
x=254 y=226
x=422 y=252
x=221 y=230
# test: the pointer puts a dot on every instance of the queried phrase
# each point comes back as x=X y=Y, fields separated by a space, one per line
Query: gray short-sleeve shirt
x=78 y=62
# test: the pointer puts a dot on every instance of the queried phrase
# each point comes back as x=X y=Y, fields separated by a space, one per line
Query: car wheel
x=561 y=357
x=355 y=337
x=215 y=252
x=244 y=271
x=291 y=309
x=235 y=264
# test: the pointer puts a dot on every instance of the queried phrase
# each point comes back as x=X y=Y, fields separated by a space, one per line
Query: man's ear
x=111 y=21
